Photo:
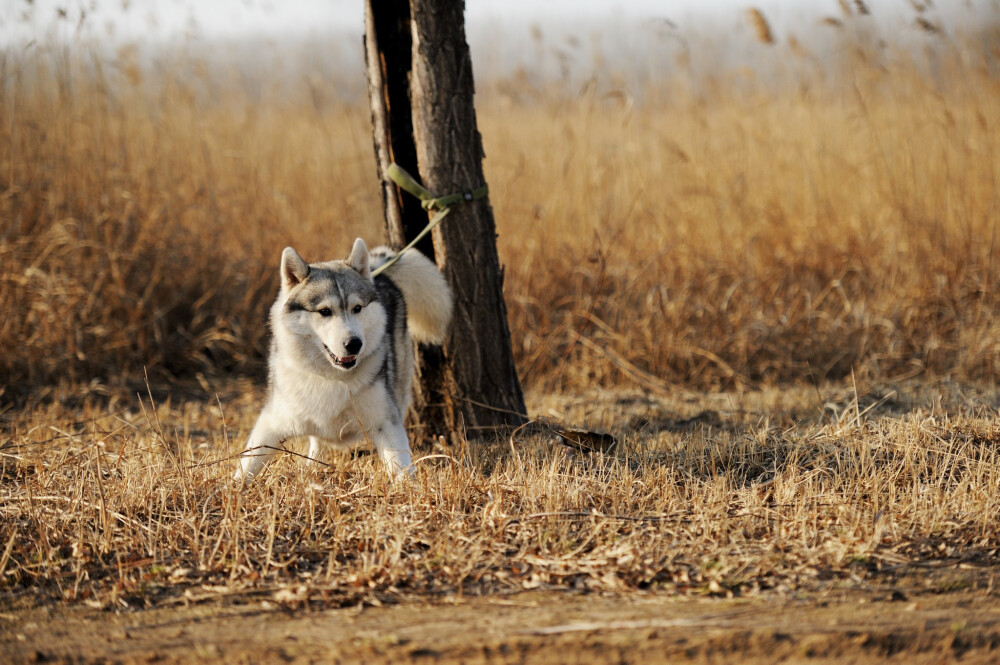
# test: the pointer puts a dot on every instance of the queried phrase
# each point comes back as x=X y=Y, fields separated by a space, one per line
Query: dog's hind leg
x=319 y=448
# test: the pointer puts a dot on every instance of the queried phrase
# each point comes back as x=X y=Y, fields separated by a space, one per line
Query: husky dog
x=341 y=362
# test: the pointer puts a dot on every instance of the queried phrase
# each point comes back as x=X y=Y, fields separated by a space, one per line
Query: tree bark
x=388 y=57
x=470 y=384
x=478 y=360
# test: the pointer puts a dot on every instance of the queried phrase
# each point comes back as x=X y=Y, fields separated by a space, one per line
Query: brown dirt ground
x=842 y=626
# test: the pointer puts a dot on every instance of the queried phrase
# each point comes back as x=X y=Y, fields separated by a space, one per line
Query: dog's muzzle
x=341 y=362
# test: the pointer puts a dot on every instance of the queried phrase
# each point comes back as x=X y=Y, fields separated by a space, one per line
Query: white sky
x=614 y=43
x=167 y=20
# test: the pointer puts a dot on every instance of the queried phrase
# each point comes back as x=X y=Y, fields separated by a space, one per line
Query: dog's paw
x=240 y=478
x=404 y=475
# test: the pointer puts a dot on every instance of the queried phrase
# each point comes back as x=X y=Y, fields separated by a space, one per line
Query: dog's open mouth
x=344 y=362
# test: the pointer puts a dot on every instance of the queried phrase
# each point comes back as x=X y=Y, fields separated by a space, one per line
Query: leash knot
x=428 y=201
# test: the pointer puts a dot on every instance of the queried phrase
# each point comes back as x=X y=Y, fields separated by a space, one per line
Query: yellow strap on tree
x=428 y=201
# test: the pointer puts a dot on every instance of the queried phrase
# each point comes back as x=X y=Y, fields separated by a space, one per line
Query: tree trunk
x=388 y=49
x=471 y=382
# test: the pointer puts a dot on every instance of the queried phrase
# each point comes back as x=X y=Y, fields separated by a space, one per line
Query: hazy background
x=705 y=194
x=628 y=44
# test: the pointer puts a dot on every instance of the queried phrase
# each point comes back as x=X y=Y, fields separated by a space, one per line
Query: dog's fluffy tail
x=425 y=291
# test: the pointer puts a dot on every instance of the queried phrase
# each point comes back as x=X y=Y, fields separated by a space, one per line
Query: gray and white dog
x=341 y=361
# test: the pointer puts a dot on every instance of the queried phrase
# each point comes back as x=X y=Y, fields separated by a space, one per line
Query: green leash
x=428 y=201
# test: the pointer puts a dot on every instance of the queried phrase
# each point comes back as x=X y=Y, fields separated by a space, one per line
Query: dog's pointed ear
x=293 y=268
x=359 y=259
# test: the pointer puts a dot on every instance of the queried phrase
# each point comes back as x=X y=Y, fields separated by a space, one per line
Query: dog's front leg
x=393 y=447
x=264 y=443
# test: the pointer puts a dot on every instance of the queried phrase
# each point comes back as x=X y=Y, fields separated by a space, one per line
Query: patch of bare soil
x=531 y=627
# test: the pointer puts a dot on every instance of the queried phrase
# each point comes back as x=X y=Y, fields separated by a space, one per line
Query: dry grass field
x=783 y=304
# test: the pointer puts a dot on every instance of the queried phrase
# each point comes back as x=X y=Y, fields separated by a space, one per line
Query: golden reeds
x=737 y=242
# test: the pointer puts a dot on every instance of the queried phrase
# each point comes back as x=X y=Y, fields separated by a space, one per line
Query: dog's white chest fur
x=337 y=411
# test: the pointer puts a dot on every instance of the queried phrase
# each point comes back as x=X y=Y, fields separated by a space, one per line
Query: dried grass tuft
x=927 y=26
x=135 y=508
x=762 y=29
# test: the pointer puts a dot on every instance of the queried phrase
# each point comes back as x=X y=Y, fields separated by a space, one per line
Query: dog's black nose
x=353 y=345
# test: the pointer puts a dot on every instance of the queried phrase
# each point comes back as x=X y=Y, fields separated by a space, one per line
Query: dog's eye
x=357 y=309
x=324 y=312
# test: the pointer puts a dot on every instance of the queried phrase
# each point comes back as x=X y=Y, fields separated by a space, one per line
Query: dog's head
x=332 y=308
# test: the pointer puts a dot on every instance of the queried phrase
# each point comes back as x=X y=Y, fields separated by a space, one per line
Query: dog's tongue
x=347 y=359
